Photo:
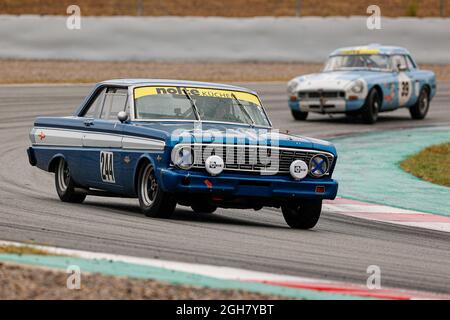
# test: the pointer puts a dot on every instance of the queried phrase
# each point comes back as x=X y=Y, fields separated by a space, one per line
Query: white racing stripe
x=41 y=136
x=56 y=137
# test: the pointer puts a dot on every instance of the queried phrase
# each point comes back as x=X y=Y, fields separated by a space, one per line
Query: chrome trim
x=258 y=146
x=129 y=142
x=327 y=155
x=202 y=121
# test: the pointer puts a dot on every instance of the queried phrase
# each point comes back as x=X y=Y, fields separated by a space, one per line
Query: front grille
x=253 y=158
x=321 y=94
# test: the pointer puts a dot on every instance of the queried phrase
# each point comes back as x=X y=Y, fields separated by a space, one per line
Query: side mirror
x=122 y=116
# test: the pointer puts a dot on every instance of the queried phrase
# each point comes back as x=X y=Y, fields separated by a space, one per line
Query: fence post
x=139 y=7
x=298 y=8
x=441 y=8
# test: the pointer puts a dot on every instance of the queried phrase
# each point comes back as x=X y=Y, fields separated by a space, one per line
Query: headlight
x=183 y=157
x=292 y=85
x=319 y=166
x=358 y=86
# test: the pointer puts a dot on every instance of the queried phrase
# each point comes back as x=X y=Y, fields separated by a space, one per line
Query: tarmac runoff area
x=368 y=169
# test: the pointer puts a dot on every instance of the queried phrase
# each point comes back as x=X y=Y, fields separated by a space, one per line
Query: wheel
x=299 y=115
x=302 y=215
x=420 y=109
x=65 y=186
x=154 y=202
x=203 y=208
x=371 y=107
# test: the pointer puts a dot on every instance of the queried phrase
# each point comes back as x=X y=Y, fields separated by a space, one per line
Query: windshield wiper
x=194 y=107
x=244 y=110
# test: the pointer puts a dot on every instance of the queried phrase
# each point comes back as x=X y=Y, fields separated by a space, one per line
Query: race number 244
x=107 y=166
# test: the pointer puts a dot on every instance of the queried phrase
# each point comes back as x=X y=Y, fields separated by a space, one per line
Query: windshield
x=358 y=62
x=173 y=103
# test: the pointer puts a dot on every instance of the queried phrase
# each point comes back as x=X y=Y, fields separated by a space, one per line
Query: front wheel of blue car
x=154 y=202
x=420 y=109
x=302 y=215
x=371 y=107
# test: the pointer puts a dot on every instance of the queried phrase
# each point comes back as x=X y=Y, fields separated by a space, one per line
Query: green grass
x=412 y=8
x=431 y=164
x=21 y=250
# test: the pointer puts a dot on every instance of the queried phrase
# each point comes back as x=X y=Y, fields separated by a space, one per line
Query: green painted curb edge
x=368 y=169
x=123 y=269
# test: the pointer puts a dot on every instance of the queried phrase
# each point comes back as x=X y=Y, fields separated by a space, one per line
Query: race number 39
x=107 y=166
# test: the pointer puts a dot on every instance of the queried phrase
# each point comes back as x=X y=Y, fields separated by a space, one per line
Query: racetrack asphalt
x=338 y=248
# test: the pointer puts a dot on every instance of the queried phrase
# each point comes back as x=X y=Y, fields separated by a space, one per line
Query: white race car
x=364 y=81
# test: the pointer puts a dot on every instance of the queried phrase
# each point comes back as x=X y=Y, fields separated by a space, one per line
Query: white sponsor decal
x=298 y=169
x=214 y=165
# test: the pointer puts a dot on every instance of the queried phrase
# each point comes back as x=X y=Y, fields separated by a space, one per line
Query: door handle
x=89 y=122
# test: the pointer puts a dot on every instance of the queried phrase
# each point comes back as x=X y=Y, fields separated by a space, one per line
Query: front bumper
x=330 y=106
x=245 y=185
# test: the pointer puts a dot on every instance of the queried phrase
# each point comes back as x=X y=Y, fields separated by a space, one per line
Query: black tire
x=65 y=186
x=153 y=201
x=302 y=215
x=203 y=208
x=299 y=115
x=420 y=109
x=371 y=107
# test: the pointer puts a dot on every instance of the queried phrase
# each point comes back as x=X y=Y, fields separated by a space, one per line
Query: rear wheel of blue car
x=302 y=215
x=154 y=202
x=420 y=109
x=371 y=107
x=65 y=186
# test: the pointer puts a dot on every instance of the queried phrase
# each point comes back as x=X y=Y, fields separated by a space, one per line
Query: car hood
x=175 y=132
x=335 y=80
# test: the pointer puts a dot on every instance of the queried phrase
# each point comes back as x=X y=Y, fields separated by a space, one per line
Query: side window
x=93 y=110
x=399 y=60
x=411 y=64
x=115 y=101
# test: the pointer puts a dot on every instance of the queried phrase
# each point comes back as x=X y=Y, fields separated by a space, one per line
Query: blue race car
x=195 y=144
x=364 y=81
